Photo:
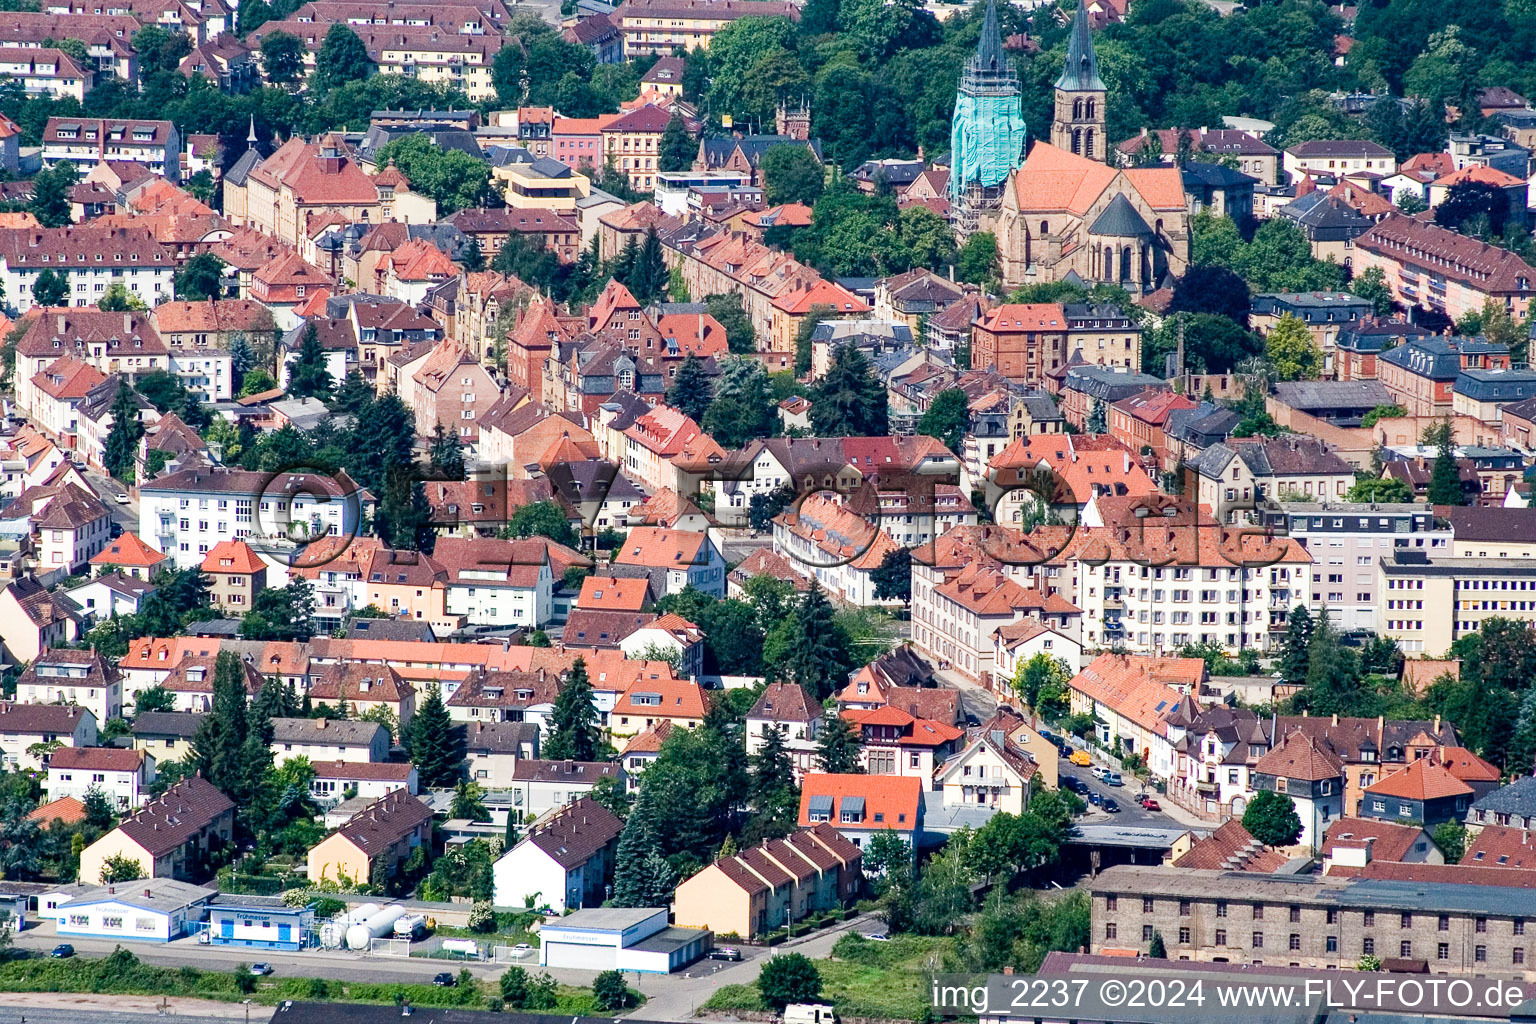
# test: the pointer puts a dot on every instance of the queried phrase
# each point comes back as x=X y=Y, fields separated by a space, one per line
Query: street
x=107 y=489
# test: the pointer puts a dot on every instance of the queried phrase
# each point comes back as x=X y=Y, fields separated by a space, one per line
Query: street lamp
x=247 y=1003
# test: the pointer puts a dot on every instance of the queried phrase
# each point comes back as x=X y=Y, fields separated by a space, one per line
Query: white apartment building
x=88 y=141
x=44 y=72
x=122 y=776
x=185 y=514
x=91 y=258
x=81 y=678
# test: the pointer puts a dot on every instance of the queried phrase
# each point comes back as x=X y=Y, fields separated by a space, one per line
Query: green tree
x=1451 y=837
x=775 y=798
x=1290 y=348
x=353 y=395
x=342 y=58
x=978 y=259
x=51 y=194
x=118 y=299
x=790 y=978
x=218 y=747
x=156 y=698
x=468 y=802
x=452 y=178
x=471 y=258
x=1522 y=742
x=435 y=745
x=1271 y=818
x=122 y=446
x=837 y=748
x=574 y=732
x=850 y=401
x=1372 y=285
x=541 y=519
x=804 y=335
x=677 y=148
x=1380 y=490
x=51 y=288
x=727 y=309
x=610 y=993
x=947 y=419
x=446 y=454
x=887 y=852
x=1294 y=648
x=120 y=868
x=642 y=877
x=309 y=377
x=199 y=277
x=691 y=391
x=282 y=57
x=816 y=659
x=1444 y=476
x=893 y=576
x=791 y=174
x=1157 y=949
x=1041 y=682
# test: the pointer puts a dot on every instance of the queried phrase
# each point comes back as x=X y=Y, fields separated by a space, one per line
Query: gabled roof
x=575 y=833
x=1301 y=757
x=1495 y=846
x=1423 y=779
x=882 y=801
x=1389 y=841
x=385 y=822
x=233 y=556
x=1232 y=848
x=785 y=702
x=167 y=822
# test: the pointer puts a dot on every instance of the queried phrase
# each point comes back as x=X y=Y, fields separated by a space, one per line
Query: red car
x=1150 y=804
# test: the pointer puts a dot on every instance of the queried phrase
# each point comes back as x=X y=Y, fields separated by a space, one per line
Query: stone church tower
x=1078 y=126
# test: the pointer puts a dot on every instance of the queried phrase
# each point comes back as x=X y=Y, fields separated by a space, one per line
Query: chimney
x=1437 y=725
x=127 y=321
x=319 y=723
x=63 y=324
x=1335 y=718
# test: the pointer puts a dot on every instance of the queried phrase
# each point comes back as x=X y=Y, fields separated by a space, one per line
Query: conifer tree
x=837 y=749
x=1522 y=745
x=447 y=454
x=574 y=733
x=309 y=377
x=677 y=147
x=691 y=390
x=1293 y=651
x=122 y=446
x=774 y=796
x=641 y=876
x=850 y=401
x=273 y=701
x=1444 y=478
x=436 y=746
x=218 y=747
x=816 y=658
x=353 y=395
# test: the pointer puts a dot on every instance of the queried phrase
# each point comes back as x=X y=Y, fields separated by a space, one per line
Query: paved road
x=976 y=702
x=125 y=516
x=59 y=1015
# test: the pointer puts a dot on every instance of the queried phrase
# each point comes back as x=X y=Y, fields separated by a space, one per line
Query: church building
x=988 y=135
x=1066 y=213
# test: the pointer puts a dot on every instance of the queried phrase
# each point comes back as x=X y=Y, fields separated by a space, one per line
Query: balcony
x=1207 y=788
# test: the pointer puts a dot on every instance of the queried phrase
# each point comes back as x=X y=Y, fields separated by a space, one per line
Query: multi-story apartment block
x=1338 y=158
x=81 y=678
x=88 y=141
x=426 y=52
x=45 y=72
x=1427 y=603
x=107 y=38
x=90 y=258
x=189 y=512
x=660 y=27
x=1313 y=922
x=1438 y=269
x=1345 y=540
x=1422 y=374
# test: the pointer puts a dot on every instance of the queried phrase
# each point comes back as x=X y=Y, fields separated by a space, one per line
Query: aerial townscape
x=742 y=509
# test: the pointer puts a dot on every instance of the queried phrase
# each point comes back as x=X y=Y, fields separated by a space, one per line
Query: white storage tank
x=376 y=927
x=333 y=931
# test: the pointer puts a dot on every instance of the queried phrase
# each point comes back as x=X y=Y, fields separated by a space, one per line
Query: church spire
x=1081 y=72
x=989 y=48
x=250 y=139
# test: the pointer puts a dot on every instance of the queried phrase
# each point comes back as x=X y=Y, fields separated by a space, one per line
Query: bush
x=481 y=917
x=791 y=978
x=514 y=987
x=610 y=992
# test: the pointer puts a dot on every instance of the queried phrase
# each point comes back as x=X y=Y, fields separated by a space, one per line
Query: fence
x=389 y=947
x=510 y=954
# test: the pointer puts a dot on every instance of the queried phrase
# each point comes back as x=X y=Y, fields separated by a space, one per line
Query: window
x=1295 y=943
x=1517 y=955
x=1333 y=916
x=1482 y=924
x=1443 y=951
x=1221 y=908
x=1370 y=919
x=1146 y=933
x=1109 y=930
x=1110 y=902
x=1407 y=921
x=1295 y=914
x=1258 y=940
x=1333 y=943
x=1183 y=908
x=1146 y=904
x=1221 y=936
x=1184 y=936
x=1405 y=950
x=1480 y=954
x=1445 y=923
x=1368 y=946
x=1519 y=924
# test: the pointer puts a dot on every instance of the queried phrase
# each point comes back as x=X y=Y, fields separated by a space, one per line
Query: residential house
x=689 y=559
x=172 y=836
x=565 y=861
x=82 y=678
x=894 y=742
x=103 y=597
x=648 y=701
x=661 y=27
x=1139 y=704
x=28 y=732
x=1422 y=374
x=236 y=574
x=1511 y=806
x=1350 y=844
x=1436 y=269
x=33 y=619
x=1499 y=847
x=377 y=839
x=1425 y=792
x=366 y=688
x=165 y=735
x=1311 y=775
x=1337 y=157
x=320 y=739
x=364 y=780
x=859 y=806
x=789 y=709
x=539 y=787
x=122 y=776
x=493 y=749
x=88 y=141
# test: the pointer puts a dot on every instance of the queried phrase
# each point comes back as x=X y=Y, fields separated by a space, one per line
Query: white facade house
x=91 y=259
x=334 y=780
x=1015 y=644
x=68 y=524
x=27 y=728
x=103 y=597
x=206 y=372
x=565 y=861
x=149 y=910
x=81 y=678
x=690 y=559
x=187 y=513
x=122 y=776
x=516 y=595
x=320 y=739
x=788 y=708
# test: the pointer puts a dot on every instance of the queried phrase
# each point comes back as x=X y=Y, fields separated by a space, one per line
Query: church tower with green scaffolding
x=987 y=136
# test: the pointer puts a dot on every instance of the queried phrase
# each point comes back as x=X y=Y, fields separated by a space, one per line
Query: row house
x=840 y=549
x=279 y=194
x=33 y=619
x=810 y=871
x=1483 y=394
x=1140 y=705
x=659 y=443
x=1061 y=473
x=1140 y=423
x=492 y=229
x=661 y=27
x=171 y=836
x=424 y=52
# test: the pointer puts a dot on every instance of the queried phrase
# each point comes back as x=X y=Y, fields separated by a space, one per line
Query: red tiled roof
x=1232 y=848
x=890 y=801
x=1498 y=847
x=1389 y=841
x=1300 y=757
x=1424 y=779
x=232 y=556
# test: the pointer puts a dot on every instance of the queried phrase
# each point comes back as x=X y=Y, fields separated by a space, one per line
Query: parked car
x=1094 y=798
x=261 y=970
x=521 y=950
x=1080 y=758
x=1113 y=779
x=62 y=950
x=1111 y=806
x=1098 y=771
x=725 y=953
x=878 y=936
x=1150 y=804
x=121 y=497
x=445 y=979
